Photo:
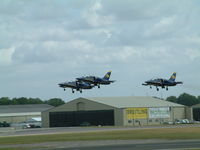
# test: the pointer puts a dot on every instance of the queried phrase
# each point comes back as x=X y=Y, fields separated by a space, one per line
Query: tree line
x=184 y=99
x=24 y=100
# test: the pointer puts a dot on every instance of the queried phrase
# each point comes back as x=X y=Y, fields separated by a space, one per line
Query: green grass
x=20 y=148
x=14 y=148
x=167 y=133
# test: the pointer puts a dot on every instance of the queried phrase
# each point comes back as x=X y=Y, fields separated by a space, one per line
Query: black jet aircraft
x=162 y=82
x=78 y=86
x=96 y=81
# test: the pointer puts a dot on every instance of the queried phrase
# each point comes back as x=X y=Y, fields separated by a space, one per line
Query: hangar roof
x=133 y=101
x=196 y=106
x=24 y=108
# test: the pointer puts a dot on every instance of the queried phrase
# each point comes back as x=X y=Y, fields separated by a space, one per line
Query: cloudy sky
x=45 y=42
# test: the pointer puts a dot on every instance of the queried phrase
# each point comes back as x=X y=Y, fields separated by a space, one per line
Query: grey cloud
x=50 y=41
x=141 y=9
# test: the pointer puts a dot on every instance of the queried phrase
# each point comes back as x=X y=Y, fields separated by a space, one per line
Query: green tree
x=5 y=101
x=19 y=101
x=172 y=99
x=187 y=99
x=198 y=98
x=35 y=101
x=55 y=102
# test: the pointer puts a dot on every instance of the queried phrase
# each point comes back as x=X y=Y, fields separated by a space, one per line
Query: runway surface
x=41 y=131
x=151 y=144
x=168 y=145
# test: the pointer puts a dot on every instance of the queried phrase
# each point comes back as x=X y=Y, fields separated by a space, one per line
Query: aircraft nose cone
x=147 y=81
x=60 y=84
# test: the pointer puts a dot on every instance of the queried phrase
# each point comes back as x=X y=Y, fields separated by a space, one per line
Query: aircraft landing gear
x=99 y=86
x=150 y=87
x=157 y=89
x=64 y=89
x=167 y=88
x=72 y=91
x=80 y=91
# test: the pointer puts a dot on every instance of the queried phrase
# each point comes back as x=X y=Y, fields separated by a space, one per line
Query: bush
x=4 y=124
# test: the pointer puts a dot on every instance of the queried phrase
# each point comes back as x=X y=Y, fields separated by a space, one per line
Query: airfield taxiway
x=149 y=144
x=142 y=145
x=152 y=144
x=42 y=131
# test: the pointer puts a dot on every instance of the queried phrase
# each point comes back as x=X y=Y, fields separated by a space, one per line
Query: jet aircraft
x=97 y=81
x=76 y=85
x=162 y=82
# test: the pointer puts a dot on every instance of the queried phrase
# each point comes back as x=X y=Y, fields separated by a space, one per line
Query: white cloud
x=192 y=54
x=193 y=39
x=163 y=26
x=6 y=56
x=94 y=18
x=46 y=38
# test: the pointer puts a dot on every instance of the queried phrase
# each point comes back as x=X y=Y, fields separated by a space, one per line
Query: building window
x=80 y=106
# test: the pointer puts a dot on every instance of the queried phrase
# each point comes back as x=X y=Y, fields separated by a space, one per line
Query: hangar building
x=20 y=113
x=196 y=112
x=118 y=111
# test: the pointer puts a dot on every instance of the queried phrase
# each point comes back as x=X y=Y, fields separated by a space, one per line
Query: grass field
x=19 y=148
x=166 y=133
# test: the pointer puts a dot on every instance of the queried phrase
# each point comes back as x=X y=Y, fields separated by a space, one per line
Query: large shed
x=20 y=113
x=118 y=111
x=196 y=112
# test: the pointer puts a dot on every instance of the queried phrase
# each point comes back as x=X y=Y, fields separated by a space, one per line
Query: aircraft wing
x=86 y=79
x=144 y=84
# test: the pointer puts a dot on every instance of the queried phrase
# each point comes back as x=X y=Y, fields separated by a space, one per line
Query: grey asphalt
x=41 y=131
x=101 y=145
x=168 y=145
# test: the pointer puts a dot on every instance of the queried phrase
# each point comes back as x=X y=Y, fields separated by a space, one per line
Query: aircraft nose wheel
x=157 y=89
x=167 y=88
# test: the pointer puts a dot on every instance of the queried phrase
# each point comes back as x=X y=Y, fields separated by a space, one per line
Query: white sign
x=162 y=112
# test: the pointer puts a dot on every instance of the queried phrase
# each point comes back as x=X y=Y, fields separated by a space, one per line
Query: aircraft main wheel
x=167 y=88
x=99 y=86
x=72 y=91
x=150 y=87
x=80 y=91
x=157 y=89
x=64 y=89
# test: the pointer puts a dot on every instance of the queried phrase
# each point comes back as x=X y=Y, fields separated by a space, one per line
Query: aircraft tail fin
x=107 y=76
x=173 y=77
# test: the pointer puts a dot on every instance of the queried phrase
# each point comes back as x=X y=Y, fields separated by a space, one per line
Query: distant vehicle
x=97 y=81
x=4 y=124
x=182 y=121
x=77 y=85
x=85 y=124
x=163 y=83
x=30 y=123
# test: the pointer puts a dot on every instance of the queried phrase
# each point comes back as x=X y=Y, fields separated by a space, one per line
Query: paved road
x=168 y=145
x=42 y=131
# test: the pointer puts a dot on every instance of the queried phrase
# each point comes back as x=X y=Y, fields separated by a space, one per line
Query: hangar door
x=79 y=118
x=196 y=114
